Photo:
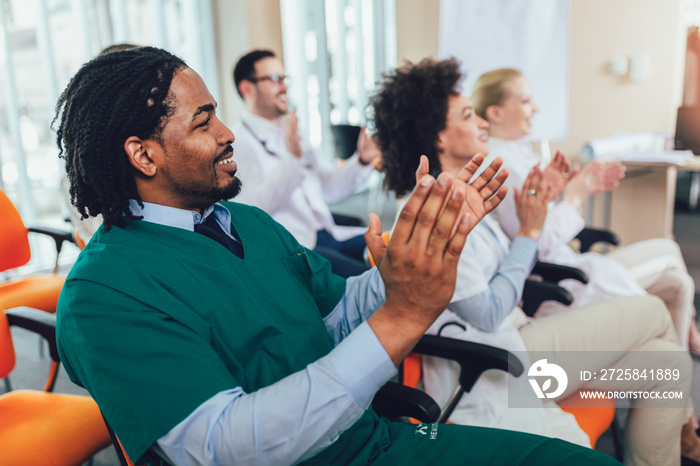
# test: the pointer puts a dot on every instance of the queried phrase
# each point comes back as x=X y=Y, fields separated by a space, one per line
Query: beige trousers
x=658 y=266
x=638 y=323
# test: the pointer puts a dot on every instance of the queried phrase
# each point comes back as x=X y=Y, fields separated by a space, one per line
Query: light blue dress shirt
x=323 y=400
x=489 y=308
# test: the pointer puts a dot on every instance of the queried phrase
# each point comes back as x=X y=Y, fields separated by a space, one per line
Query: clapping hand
x=291 y=133
x=484 y=194
x=559 y=173
x=531 y=203
x=419 y=265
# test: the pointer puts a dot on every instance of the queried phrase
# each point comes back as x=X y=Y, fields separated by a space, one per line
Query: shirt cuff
x=363 y=364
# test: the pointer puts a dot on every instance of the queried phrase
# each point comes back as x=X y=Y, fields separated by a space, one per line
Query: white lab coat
x=607 y=277
x=295 y=192
x=486 y=404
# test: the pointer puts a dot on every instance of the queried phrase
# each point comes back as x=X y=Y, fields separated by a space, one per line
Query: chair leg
x=8 y=385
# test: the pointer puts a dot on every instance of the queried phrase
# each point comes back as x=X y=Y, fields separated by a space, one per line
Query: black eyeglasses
x=275 y=78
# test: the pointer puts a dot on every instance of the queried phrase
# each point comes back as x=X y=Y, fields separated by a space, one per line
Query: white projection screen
x=531 y=35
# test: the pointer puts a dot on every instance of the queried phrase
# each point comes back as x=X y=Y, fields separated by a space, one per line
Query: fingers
x=429 y=214
x=575 y=171
x=495 y=200
x=407 y=217
x=557 y=162
x=423 y=168
x=456 y=244
x=486 y=176
x=533 y=179
x=563 y=163
x=470 y=169
x=615 y=171
x=494 y=185
x=537 y=185
x=373 y=239
x=444 y=226
x=426 y=222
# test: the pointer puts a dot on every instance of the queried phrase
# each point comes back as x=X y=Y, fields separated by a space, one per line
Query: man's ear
x=494 y=114
x=246 y=88
x=140 y=153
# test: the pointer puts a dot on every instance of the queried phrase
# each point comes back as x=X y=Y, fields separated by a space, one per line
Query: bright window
x=335 y=51
x=42 y=44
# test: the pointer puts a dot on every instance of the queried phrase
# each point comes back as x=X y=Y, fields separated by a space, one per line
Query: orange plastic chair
x=39 y=291
x=385 y=237
x=78 y=240
x=43 y=428
x=594 y=417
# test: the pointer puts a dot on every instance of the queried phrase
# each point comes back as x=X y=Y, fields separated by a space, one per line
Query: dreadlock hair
x=410 y=109
x=111 y=98
x=245 y=66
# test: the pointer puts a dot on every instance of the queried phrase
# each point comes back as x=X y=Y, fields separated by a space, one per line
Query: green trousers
x=450 y=444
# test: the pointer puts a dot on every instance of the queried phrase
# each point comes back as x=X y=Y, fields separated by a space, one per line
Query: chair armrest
x=589 y=236
x=395 y=400
x=473 y=358
x=536 y=292
x=40 y=322
x=555 y=273
x=347 y=220
x=59 y=237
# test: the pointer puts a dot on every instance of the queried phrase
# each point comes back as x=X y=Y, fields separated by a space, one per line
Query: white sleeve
x=563 y=223
x=337 y=182
x=266 y=191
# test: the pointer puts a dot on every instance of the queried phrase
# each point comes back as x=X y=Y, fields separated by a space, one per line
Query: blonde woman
x=503 y=97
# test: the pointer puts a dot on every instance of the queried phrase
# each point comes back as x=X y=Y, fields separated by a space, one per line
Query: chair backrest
x=14 y=244
x=345 y=139
x=42 y=428
x=411 y=372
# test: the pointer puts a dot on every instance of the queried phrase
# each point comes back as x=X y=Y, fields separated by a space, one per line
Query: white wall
x=242 y=25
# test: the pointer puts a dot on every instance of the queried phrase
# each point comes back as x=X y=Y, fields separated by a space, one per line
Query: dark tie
x=211 y=228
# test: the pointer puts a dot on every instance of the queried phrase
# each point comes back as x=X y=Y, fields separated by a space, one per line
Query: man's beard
x=210 y=196
x=233 y=190
x=229 y=191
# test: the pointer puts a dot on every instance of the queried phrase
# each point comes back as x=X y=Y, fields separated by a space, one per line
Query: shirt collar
x=180 y=218
x=263 y=127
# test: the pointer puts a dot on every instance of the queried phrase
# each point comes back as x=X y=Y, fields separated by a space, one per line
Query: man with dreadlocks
x=253 y=353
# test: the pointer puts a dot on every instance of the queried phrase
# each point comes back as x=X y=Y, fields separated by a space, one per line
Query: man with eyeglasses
x=282 y=174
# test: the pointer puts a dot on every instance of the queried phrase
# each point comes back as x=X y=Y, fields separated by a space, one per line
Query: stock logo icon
x=546 y=372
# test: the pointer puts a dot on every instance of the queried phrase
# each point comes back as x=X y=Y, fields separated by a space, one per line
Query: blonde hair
x=489 y=89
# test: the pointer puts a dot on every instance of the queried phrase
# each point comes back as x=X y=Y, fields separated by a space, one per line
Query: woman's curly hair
x=111 y=98
x=409 y=111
